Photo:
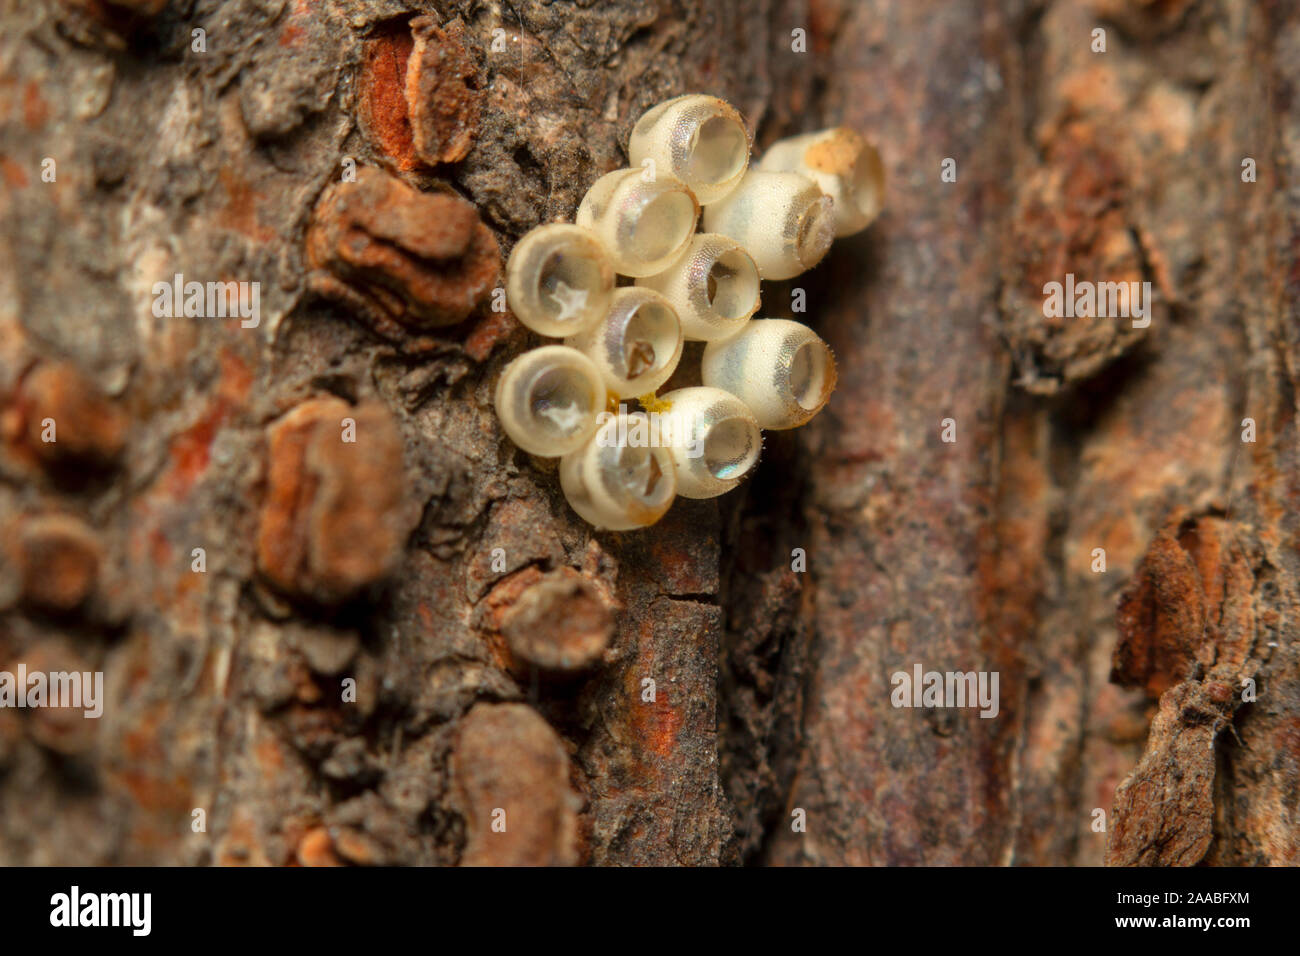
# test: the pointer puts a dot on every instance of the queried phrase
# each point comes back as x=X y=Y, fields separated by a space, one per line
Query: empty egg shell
x=713 y=437
x=843 y=164
x=783 y=220
x=643 y=222
x=638 y=343
x=548 y=400
x=616 y=485
x=559 y=280
x=713 y=286
x=781 y=369
x=701 y=140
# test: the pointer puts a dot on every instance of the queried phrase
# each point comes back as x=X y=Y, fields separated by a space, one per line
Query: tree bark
x=397 y=644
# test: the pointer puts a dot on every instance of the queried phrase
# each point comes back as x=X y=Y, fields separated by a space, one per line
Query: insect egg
x=618 y=484
x=638 y=343
x=844 y=165
x=559 y=280
x=783 y=220
x=548 y=400
x=643 y=223
x=700 y=139
x=781 y=369
x=714 y=439
x=713 y=287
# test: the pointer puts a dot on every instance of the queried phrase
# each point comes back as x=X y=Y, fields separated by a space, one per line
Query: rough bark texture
x=363 y=663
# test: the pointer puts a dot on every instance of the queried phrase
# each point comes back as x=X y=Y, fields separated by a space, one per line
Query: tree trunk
x=341 y=619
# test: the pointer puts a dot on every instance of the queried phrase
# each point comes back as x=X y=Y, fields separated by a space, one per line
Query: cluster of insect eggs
x=625 y=341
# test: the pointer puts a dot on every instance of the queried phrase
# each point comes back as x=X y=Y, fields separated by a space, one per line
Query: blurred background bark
x=383 y=650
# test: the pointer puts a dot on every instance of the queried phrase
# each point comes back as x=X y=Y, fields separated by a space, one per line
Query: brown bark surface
x=399 y=644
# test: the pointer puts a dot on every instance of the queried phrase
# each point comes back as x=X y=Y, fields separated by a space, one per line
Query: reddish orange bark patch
x=240 y=213
x=191 y=449
x=190 y=453
x=270 y=757
x=493 y=329
x=36 y=111
x=660 y=723
x=160 y=549
x=384 y=112
x=14 y=174
x=293 y=31
x=656 y=723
